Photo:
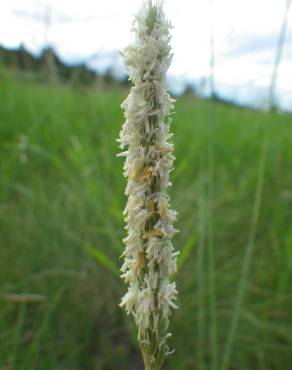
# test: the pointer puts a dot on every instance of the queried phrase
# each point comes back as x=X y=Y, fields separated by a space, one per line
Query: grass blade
x=201 y=280
x=33 y=353
x=210 y=239
x=103 y=260
x=17 y=334
x=243 y=281
x=187 y=249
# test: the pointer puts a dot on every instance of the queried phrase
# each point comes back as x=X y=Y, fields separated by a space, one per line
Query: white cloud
x=245 y=33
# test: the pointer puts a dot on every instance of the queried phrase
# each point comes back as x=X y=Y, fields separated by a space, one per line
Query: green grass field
x=61 y=202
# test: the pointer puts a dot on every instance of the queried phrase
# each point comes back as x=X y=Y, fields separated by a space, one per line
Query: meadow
x=61 y=225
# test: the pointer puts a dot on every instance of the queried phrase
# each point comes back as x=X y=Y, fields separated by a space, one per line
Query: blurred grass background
x=61 y=202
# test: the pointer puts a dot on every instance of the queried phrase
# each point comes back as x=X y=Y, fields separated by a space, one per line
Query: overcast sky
x=245 y=32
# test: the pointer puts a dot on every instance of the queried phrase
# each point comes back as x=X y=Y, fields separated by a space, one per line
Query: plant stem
x=210 y=193
x=147 y=363
x=278 y=56
x=247 y=258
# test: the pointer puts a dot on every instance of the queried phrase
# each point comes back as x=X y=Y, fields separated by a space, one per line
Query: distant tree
x=108 y=76
x=190 y=89
x=50 y=63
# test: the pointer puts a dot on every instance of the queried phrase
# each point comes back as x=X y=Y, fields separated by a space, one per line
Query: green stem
x=210 y=240
x=243 y=281
x=201 y=277
x=156 y=365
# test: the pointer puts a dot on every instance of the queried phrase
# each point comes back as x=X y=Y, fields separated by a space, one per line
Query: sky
x=92 y=31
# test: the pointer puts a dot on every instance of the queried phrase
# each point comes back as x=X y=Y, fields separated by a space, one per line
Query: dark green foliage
x=47 y=66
